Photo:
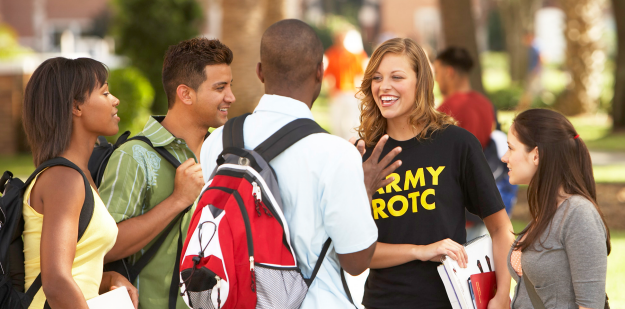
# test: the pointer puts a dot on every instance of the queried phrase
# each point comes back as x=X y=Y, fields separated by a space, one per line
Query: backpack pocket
x=203 y=288
x=279 y=287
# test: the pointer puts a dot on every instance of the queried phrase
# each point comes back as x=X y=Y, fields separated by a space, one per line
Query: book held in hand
x=479 y=276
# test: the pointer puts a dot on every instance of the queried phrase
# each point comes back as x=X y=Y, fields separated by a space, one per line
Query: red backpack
x=237 y=252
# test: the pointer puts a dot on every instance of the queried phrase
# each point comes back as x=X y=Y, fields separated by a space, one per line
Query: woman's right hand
x=434 y=252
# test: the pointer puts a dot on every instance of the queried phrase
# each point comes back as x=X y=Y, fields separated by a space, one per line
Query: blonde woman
x=420 y=213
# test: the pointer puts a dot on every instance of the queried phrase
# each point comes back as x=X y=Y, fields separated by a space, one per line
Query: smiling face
x=522 y=164
x=99 y=112
x=214 y=96
x=394 y=87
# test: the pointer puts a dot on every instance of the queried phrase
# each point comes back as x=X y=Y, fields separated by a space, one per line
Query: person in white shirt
x=321 y=177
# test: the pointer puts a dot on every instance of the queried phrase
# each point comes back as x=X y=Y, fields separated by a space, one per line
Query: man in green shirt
x=143 y=191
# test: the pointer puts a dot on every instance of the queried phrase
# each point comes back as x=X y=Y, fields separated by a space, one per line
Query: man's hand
x=188 y=182
x=112 y=280
x=375 y=169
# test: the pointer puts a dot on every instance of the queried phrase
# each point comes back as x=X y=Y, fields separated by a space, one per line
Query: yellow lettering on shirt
x=394 y=183
x=411 y=180
x=424 y=197
x=414 y=196
x=381 y=191
x=435 y=174
x=404 y=205
x=378 y=208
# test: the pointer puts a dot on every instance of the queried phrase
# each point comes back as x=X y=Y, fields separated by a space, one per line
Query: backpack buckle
x=244 y=161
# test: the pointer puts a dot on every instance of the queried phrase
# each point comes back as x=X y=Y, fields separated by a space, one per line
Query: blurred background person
x=475 y=113
x=345 y=59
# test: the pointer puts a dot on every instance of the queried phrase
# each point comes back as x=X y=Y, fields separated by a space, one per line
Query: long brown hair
x=563 y=162
x=53 y=90
x=372 y=123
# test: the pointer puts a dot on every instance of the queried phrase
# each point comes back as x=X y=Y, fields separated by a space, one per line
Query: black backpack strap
x=287 y=136
x=346 y=288
x=174 y=288
x=322 y=256
x=161 y=150
x=233 y=132
x=85 y=213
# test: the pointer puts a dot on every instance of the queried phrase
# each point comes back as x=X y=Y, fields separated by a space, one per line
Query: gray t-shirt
x=570 y=270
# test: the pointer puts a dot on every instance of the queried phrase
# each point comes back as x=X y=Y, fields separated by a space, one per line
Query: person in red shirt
x=472 y=110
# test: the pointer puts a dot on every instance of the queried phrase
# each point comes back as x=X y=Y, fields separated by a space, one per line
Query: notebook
x=456 y=279
x=118 y=299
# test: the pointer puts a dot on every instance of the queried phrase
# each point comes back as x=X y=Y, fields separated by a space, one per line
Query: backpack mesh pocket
x=279 y=287
x=201 y=300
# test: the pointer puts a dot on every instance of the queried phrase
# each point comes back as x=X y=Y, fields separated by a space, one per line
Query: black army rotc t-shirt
x=439 y=178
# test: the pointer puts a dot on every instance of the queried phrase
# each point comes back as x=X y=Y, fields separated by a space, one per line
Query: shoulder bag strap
x=287 y=136
x=531 y=291
x=85 y=213
x=136 y=268
x=161 y=150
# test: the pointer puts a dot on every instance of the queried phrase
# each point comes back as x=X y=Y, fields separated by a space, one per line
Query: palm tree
x=244 y=22
x=459 y=30
x=584 y=55
x=618 y=103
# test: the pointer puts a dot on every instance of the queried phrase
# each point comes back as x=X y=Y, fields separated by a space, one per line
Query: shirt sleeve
x=481 y=195
x=344 y=204
x=211 y=148
x=123 y=187
x=584 y=239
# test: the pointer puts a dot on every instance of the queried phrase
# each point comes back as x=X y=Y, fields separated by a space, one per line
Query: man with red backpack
x=320 y=177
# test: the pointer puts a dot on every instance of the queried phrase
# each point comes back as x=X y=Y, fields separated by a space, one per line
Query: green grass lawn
x=616 y=267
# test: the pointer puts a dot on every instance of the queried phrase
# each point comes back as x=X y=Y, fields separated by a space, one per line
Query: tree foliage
x=135 y=94
x=144 y=29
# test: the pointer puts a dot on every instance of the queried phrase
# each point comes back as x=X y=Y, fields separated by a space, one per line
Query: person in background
x=476 y=114
x=561 y=255
x=67 y=105
x=321 y=176
x=420 y=213
x=346 y=58
x=144 y=192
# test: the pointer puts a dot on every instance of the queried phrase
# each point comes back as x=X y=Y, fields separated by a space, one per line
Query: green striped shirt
x=136 y=179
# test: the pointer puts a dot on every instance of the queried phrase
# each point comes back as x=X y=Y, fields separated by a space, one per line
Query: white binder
x=117 y=299
x=455 y=278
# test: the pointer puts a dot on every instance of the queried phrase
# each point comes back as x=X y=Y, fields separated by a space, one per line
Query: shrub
x=506 y=99
x=136 y=96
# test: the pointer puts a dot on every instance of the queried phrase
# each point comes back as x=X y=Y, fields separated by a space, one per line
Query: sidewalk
x=607 y=158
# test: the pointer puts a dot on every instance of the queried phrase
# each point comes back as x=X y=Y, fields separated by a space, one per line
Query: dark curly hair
x=185 y=63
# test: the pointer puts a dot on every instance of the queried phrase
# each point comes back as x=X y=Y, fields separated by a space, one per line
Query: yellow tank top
x=98 y=239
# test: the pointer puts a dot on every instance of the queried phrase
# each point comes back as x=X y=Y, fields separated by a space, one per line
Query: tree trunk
x=518 y=20
x=618 y=103
x=244 y=22
x=459 y=30
x=584 y=57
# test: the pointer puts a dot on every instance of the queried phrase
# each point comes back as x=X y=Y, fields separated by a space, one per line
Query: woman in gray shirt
x=562 y=253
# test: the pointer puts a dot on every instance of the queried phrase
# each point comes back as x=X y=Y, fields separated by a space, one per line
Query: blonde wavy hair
x=372 y=123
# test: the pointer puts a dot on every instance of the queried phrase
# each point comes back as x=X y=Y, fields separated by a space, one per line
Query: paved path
x=607 y=158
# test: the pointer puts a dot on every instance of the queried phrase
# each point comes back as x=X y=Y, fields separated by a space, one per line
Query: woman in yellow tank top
x=66 y=107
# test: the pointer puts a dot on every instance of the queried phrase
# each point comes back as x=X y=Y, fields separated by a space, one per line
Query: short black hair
x=185 y=63
x=56 y=86
x=457 y=58
x=290 y=52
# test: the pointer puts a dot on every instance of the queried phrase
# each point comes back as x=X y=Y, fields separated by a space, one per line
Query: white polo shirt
x=323 y=193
